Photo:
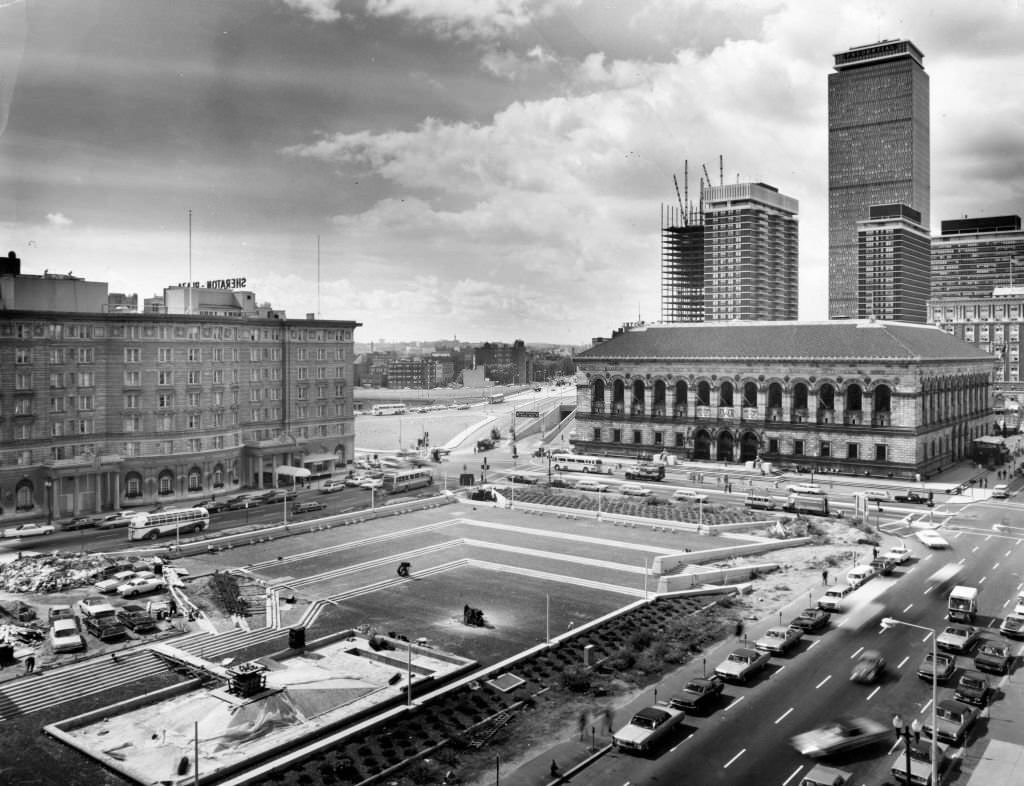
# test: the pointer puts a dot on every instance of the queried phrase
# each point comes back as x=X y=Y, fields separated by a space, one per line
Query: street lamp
x=904 y=730
x=888 y=622
x=48 y=485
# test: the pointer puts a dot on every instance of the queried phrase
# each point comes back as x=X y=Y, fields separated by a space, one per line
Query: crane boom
x=679 y=196
x=707 y=177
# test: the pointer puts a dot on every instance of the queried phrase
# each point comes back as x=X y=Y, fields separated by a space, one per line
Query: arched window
x=639 y=397
x=195 y=479
x=597 y=396
x=218 y=476
x=165 y=482
x=750 y=394
x=133 y=485
x=24 y=495
x=775 y=396
x=618 y=396
x=658 y=405
x=681 y=394
x=800 y=396
x=703 y=394
x=725 y=397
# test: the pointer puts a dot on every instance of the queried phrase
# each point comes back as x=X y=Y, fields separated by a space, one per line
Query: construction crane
x=707 y=177
x=682 y=210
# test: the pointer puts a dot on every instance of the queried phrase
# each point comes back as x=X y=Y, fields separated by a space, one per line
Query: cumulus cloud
x=58 y=220
x=317 y=10
x=470 y=19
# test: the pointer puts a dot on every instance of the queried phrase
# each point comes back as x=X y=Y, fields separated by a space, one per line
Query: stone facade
x=908 y=413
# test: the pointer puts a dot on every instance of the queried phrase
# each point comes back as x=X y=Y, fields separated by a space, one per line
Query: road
x=747 y=740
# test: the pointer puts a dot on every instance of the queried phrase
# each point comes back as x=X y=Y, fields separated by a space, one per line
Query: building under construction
x=682 y=267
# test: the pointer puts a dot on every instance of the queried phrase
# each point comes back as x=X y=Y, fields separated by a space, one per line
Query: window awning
x=293 y=472
x=317 y=458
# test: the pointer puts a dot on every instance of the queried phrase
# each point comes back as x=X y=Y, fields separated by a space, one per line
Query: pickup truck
x=101 y=621
x=135 y=617
x=648 y=727
x=910 y=496
x=646 y=472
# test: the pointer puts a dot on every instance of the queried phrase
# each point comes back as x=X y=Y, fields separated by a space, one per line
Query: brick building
x=858 y=397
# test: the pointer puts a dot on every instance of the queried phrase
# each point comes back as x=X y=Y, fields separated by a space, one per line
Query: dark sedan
x=811 y=619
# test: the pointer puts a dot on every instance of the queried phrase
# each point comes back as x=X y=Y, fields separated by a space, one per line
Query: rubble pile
x=52 y=572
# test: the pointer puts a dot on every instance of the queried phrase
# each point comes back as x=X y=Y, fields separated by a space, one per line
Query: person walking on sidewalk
x=30 y=664
x=824 y=577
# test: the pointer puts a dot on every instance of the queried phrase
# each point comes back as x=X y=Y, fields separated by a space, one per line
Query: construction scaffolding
x=682 y=266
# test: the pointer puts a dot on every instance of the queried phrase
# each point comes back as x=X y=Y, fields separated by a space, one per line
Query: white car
x=1019 y=608
x=107 y=586
x=372 y=483
x=634 y=490
x=591 y=485
x=28 y=530
x=898 y=554
x=139 y=585
x=64 y=636
x=804 y=488
x=932 y=539
x=689 y=495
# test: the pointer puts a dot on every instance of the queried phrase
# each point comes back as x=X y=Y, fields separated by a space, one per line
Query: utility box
x=297 y=638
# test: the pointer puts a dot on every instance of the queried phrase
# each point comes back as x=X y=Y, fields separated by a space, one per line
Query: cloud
x=470 y=19
x=317 y=10
x=58 y=220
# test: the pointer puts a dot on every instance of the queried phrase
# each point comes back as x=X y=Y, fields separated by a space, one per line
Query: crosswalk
x=46 y=689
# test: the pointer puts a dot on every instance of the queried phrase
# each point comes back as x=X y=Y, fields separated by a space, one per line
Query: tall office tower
x=682 y=268
x=878 y=151
x=751 y=254
x=893 y=265
x=972 y=256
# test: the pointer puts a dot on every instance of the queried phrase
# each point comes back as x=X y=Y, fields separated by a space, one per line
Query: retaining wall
x=670 y=563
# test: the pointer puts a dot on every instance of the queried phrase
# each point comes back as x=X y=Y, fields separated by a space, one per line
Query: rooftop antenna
x=318 y=276
x=190 y=246
x=721 y=170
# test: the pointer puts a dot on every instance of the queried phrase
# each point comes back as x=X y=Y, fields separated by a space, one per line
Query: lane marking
x=975 y=549
x=815 y=642
x=734 y=703
x=782 y=716
x=908 y=608
x=924 y=709
x=988 y=538
x=795 y=773
x=734 y=758
x=928 y=589
x=874 y=692
x=823 y=682
x=1007 y=554
x=964 y=559
x=781 y=668
x=926 y=637
x=996 y=566
x=982 y=580
x=858 y=652
x=900 y=666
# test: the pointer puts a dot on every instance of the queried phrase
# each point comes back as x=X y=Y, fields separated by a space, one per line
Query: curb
x=578 y=768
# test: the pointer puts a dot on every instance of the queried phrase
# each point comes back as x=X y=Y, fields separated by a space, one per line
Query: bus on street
x=572 y=462
x=388 y=409
x=149 y=526
x=407 y=480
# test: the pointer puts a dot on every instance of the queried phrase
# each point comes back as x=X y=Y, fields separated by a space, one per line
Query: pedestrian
x=739 y=629
x=30 y=664
x=582 y=723
x=874 y=552
x=824 y=577
x=554 y=767
x=607 y=714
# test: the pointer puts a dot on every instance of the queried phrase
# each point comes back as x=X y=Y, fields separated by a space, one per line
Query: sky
x=473 y=169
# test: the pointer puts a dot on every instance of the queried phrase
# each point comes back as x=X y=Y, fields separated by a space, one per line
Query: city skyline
x=487 y=170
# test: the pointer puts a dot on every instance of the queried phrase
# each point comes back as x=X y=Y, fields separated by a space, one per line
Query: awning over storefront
x=318 y=458
x=293 y=472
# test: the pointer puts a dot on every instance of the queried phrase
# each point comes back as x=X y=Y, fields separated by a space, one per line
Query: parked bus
x=408 y=479
x=149 y=526
x=388 y=409
x=497 y=398
x=571 y=462
x=807 y=503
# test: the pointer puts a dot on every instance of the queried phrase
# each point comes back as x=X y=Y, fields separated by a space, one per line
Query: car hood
x=731 y=667
x=633 y=734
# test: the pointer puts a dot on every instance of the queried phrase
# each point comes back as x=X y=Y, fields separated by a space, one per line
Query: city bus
x=149 y=526
x=571 y=462
x=497 y=398
x=407 y=479
x=388 y=409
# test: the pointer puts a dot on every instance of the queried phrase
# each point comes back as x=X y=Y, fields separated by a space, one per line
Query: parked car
x=137 y=618
x=647 y=728
x=993 y=656
x=114 y=521
x=953 y=720
x=957 y=638
x=372 y=483
x=921 y=763
x=943 y=666
x=742 y=664
x=820 y=775
x=804 y=488
x=841 y=735
x=868 y=668
x=810 y=620
x=524 y=479
x=212 y=505
x=973 y=687
x=689 y=495
x=308 y=507
x=859 y=575
x=634 y=490
x=877 y=496
x=898 y=554
x=1001 y=491
x=65 y=636
x=835 y=597
x=698 y=694
x=82 y=522
x=591 y=485
x=779 y=640
x=140 y=585
x=29 y=530
x=110 y=584
x=882 y=566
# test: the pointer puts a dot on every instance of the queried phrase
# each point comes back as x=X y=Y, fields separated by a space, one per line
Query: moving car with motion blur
x=839 y=736
x=29 y=530
x=868 y=668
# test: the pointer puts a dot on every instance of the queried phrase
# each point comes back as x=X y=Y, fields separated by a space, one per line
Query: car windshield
x=738 y=658
x=970 y=682
x=990 y=650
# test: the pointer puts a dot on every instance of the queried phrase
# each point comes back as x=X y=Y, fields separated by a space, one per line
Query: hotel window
x=195 y=354
x=195 y=377
x=86 y=379
x=303 y=394
x=798 y=447
x=131 y=449
x=22 y=381
x=165 y=423
x=22 y=355
x=131 y=401
x=303 y=372
x=131 y=424
x=56 y=380
x=56 y=356
x=218 y=355
x=881 y=453
x=195 y=480
x=132 y=378
x=165 y=400
x=22 y=431
x=616 y=435
x=86 y=355
x=57 y=404
x=218 y=376
x=301 y=411
x=85 y=403
x=165 y=377
x=165 y=479
x=321 y=411
x=321 y=391
x=85 y=426
x=193 y=420
x=321 y=353
x=164 y=354
x=57 y=429
x=825 y=449
x=638 y=437
x=254 y=374
x=852 y=450
x=321 y=372
x=132 y=355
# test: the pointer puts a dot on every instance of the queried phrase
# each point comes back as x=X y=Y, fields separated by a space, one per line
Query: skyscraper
x=973 y=256
x=682 y=268
x=893 y=265
x=751 y=253
x=878 y=151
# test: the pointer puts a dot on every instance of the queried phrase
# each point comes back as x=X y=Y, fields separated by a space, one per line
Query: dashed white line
x=734 y=758
x=1006 y=603
x=873 y=692
x=855 y=654
x=814 y=643
x=928 y=589
x=900 y=666
x=973 y=550
x=908 y=608
x=823 y=682
x=734 y=703
x=927 y=637
x=981 y=580
x=1007 y=554
x=783 y=716
x=964 y=559
x=996 y=566
x=781 y=668
x=795 y=773
x=924 y=709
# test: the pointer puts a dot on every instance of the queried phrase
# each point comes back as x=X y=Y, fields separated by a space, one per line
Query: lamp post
x=48 y=485
x=904 y=730
x=888 y=622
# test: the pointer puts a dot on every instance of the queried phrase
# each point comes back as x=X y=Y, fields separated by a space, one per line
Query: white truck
x=963 y=604
x=648 y=727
